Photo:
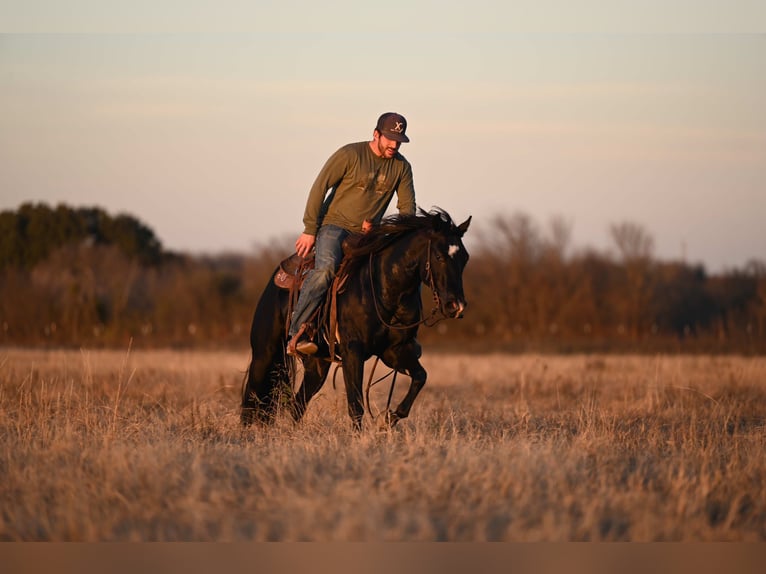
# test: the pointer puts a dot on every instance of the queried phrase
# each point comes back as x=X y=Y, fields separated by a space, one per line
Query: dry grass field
x=146 y=445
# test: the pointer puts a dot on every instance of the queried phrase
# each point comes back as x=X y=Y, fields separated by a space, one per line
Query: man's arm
x=331 y=175
x=405 y=193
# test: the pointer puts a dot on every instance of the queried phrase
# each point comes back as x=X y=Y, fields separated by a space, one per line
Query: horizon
x=479 y=238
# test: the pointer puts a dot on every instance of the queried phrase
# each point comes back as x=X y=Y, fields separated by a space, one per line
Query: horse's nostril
x=455 y=308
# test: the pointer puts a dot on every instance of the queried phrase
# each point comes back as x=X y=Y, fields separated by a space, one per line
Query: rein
x=370 y=384
x=431 y=284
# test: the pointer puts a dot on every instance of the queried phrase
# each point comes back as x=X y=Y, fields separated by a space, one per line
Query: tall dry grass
x=135 y=446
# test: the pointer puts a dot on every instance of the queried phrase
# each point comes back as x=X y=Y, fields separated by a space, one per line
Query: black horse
x=379 y=311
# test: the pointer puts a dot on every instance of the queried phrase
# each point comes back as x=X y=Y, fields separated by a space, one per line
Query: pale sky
x=214 y=139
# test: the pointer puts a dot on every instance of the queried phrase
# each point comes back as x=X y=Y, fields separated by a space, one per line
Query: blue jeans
x=327 y=258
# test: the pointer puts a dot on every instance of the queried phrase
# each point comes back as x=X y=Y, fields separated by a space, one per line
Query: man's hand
x=304 y=244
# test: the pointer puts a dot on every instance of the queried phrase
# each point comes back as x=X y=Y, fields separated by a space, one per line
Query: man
x=362 y=179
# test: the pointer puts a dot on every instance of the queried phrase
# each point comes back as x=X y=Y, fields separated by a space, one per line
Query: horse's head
x=426 y=246
x=447 y=257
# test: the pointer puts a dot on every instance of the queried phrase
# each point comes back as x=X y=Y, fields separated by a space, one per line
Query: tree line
x=79 y=277
x=32 y=233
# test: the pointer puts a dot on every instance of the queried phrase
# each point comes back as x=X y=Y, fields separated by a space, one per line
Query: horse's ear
x=463 y=227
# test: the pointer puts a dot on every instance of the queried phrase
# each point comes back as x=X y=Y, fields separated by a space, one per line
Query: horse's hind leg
x=314 y=375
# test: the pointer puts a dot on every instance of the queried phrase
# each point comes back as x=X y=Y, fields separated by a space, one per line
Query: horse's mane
x=394 y=227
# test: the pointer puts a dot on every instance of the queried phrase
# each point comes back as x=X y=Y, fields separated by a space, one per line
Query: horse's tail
x=251 y=408
x=245 y=381
x=261 y=383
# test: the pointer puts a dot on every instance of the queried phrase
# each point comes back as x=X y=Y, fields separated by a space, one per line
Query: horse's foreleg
x=353 y=373
x=418 y=382
x=314 y=375
x=406 y=362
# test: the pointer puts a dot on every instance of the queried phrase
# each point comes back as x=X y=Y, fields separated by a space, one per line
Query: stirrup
x=306 y=347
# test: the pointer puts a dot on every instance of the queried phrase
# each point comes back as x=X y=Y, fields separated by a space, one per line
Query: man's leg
x=329 y=252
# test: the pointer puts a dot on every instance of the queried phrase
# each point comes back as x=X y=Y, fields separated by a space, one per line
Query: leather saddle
x=292 y=271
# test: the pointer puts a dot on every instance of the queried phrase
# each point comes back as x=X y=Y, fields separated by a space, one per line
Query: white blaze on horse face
x=453 y=249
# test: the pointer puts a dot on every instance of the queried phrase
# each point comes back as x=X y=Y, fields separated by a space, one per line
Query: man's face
x=386 y=148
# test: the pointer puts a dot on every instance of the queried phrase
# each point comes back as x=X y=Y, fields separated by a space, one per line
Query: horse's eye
x=439 y=257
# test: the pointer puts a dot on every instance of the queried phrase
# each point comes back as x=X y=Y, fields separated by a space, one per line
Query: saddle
x=293 y=270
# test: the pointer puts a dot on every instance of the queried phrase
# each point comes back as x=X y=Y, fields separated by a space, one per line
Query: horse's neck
x=398 y=269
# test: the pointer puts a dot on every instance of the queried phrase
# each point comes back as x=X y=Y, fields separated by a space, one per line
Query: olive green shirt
x=361 y=186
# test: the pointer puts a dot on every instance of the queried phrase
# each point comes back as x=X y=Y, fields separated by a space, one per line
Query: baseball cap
x=393 y=126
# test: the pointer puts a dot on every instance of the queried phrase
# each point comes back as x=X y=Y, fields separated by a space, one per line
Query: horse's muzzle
x=454 y=309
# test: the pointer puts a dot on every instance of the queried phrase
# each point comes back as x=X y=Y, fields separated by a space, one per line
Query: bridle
x=431 y=284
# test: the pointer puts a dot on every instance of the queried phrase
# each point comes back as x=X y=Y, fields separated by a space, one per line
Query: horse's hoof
x=390 y=420
x=247 y=417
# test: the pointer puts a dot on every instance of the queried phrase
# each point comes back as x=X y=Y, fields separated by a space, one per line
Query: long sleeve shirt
x=361 y=185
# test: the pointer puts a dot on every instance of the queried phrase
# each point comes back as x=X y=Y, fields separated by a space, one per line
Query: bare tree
x=632 y=240
x=636 y=246
x=559 y=236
